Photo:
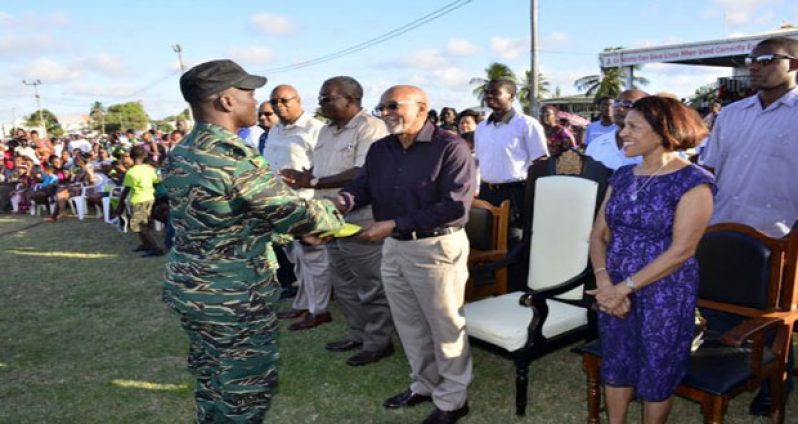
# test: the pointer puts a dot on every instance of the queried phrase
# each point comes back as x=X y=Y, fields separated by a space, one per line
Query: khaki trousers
x=425 y=284
x=312 y=269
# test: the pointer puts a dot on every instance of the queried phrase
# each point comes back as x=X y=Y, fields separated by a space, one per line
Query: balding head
x=286 y=103
x=404 y=109
x=623 y=104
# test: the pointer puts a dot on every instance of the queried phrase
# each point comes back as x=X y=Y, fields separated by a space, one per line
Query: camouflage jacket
x=226 y=207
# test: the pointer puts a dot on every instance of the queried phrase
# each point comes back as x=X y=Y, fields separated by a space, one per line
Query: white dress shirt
x=605 y=149
x=291 y=146
x=506 y=148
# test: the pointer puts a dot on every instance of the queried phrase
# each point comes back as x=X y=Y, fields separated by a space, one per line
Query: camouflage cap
x=212 y=77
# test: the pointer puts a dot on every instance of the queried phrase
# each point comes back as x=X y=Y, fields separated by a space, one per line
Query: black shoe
x=365 y=357
x=446 y=417
x=141 y=248
x=406 y=398
x=153 y=254
x=343 y=345
x=288 y=293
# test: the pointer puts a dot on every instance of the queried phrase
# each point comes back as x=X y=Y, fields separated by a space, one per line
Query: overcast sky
x=114 y=51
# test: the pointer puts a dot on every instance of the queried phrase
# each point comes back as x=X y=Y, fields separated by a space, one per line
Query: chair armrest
x=562 y=287
x=748 y=329
x=482 y=256
x=512 y=256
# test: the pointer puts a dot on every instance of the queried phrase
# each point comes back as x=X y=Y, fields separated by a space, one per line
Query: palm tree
x=609 y=83
x=97 y=114
x=526 y=86
x=494 y=71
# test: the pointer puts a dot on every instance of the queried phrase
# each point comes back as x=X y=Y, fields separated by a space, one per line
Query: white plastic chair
x=79 y=204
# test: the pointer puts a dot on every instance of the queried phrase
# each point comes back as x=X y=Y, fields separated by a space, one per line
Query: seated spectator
x=117 y=172
x=559 y=138
x=139 y=192
x=23 y=175
x=56 y=178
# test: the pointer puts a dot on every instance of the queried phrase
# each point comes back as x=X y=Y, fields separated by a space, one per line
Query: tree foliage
x=609 y=83
x=97 y=114
x=704 y=95
x=494 y=71
x=125 y=116
x=50 y=122
x=526 y=86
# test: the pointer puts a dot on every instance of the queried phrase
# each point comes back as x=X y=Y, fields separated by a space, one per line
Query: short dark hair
x=786 y=43
x=468 y=112
x=602 y=98
x=505 y=83
x=138 y=152
x=679 y=126
x=349 y=87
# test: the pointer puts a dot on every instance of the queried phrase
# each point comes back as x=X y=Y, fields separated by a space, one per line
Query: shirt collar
x=505 y=120
x=426 y=133
x=353 y=123
x=300 y=122
x=789 y=99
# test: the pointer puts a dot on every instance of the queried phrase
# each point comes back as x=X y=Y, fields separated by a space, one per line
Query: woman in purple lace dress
x=642 y=250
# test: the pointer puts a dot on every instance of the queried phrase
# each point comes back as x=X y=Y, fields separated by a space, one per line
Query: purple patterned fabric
x=649 y=349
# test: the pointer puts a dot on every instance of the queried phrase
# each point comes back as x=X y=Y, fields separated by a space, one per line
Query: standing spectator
x=714 y=111
x=267 y=119
x=608 y=147
x=420 y=182
x=353 y=264
x=290 y=146
x=642 y=246
x=220 y=275
x=558 y=137
x=449 y=119
x=753 y=151
x=604 y=124
x=506 y=144
x=139 y=192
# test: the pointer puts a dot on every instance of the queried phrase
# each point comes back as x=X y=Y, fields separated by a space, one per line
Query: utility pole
x=36 y=85
x=179 y=50
x=534 y=107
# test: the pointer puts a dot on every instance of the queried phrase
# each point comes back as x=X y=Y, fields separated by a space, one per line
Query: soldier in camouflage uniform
x=226 y=207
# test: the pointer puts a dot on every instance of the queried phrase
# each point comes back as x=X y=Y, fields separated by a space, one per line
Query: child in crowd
x=139 y=192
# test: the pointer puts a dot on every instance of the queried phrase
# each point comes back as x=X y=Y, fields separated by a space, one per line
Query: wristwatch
x=630 y=284
x=314 y=182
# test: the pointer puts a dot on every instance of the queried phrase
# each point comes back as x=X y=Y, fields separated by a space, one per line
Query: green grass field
x=85 y=338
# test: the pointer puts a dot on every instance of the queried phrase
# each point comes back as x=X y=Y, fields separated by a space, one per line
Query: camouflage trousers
x=236 y=368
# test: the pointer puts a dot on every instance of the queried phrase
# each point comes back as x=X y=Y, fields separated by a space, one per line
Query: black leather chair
x=742 y=272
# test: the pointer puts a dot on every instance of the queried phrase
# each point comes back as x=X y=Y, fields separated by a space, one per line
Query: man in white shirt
x=290 y=146
x=604 y=124
x=608 y=148
x=505 y=145
x=354 y=264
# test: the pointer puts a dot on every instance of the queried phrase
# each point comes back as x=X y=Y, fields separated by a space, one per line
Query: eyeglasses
x=391 y=106
x=328 y=99
x=276 y=101
x=628 y=104
x=265 y=113
x=766 y=59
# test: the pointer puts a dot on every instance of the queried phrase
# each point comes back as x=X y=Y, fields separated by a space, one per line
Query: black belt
x=501 y=186
x=416 y=235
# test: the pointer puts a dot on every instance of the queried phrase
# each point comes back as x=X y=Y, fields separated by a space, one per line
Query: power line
x=445 y=10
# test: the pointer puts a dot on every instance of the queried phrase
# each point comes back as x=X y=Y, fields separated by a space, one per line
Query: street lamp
x=179 y=50
x=36 y=85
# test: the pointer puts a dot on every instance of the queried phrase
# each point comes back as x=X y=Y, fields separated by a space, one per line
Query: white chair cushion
x=501 y=321
x=562 y=222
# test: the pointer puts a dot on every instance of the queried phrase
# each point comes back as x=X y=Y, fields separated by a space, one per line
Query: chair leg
x=777 y=404
x=592 y=366
x=714 y=409
x=522 y=361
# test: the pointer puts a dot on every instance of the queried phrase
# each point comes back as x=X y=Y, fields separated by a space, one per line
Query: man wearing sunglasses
x=753 y=150
x=290 y=146
x=420 y=182
x=608 y=148
x=267 y=119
